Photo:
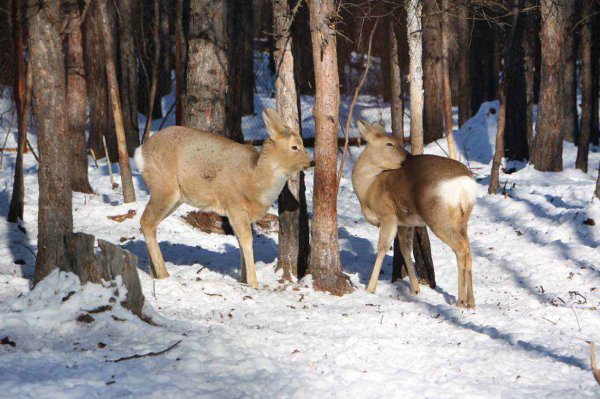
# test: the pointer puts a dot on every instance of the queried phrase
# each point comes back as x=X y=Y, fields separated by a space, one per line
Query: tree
x=421 y=244
x=570 y=122
x=546 y=154
x=127 y=23
x=49 y=88
x=514 y=90
x=113 y=88
x=529 y=64
x=464 y=78
x=586 y=86
x=180 y=61
x=447 y=92
x=433 y=114
x=293 y=215
x=325 y=264
x=76 y=101
x=396 y=103
x=247 y=16
x=153 y=101
x=21 y=94
x=511 y=56
x=208 y=71
x=101 y=120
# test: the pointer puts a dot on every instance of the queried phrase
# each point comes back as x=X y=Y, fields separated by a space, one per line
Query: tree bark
x=180 y=61
x=209 y=88
x=397 y=102
x=113 y=87
x=447 y=92
x=17 y=201
x=586 y=87
x=247 y=14
x=514 y=91
x=236 y=38
x=76 y=102
x=325 y=264
x=101 y=119
x=570 y=122
x=433 y=114
x=49 y=87
x=152 y=97
x=303 y=56
x=421 y=244
x=529 y=65
x=293 y=215
x=595 y=133
x=546 y=154
x=464 y=78
x=127 y=21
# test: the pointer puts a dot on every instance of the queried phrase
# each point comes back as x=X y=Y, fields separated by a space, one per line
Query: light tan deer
x=398 y=191
x=213 y=173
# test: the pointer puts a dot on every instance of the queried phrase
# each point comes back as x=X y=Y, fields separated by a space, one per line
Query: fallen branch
x=595 y=370
x=149 y=354
x=353 y=103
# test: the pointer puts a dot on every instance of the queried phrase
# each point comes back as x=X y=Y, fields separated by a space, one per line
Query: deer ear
x=378 y=127
x=364 y=128
x=274 y=123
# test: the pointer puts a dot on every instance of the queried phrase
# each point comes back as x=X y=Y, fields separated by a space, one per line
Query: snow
x=536 y=278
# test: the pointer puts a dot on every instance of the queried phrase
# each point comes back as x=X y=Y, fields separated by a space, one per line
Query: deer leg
x=243 y=230
x=243 y=277
x=468 y=259
x=387 y=231
x=405 y=237
x=158 y=208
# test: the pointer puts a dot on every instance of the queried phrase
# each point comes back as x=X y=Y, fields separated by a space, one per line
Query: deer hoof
x=370 y=289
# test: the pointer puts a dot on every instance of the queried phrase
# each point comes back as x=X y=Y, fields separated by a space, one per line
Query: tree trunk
x=49 y=87
x=421 y=245
x=209 y=65
x=464 y=79
x=247 y=14
x=76 y=102
x=597 y=191
x=101 y=119
x=570 y=122
x=586 y=87
x=595 y=133
x=515 y=94
x=153 y=82
x=21 y=81
x=397 y=103
x=293 y=215
x=180 y=61
x=546 y=154
x=529 y=66
x=325 y=264
x=236 y=38
x=447 y=93
x=164 y=69
x=433 y=113
x=303 y=56
x=113 y=87
x=127 y=21
x=512 y=56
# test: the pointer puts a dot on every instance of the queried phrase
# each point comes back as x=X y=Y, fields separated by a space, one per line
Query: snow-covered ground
x=536 y=278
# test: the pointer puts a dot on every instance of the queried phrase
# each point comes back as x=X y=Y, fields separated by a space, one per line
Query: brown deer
x=215 y=174
x=398 y=191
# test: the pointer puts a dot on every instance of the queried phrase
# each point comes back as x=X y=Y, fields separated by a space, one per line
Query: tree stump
x=111 y=262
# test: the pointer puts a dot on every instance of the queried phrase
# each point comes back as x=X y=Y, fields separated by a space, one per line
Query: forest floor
x=536 y=278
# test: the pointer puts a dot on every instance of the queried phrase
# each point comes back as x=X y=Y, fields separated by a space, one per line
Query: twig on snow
x=149 y=354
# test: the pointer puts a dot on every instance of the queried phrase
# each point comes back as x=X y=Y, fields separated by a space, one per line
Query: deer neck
x=269 y=177
x=363 y=175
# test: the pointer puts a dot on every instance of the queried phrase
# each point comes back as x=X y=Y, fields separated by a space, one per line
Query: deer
x=398 y=191
x=215 y=174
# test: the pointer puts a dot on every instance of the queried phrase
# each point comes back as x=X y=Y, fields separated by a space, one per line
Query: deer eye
x=295 y=147
x=390 y=144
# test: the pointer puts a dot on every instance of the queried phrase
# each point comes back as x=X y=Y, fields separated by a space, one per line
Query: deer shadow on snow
x=225 y=261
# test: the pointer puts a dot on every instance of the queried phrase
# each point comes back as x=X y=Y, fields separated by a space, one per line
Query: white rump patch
x=139 y=159
x=460 y=191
